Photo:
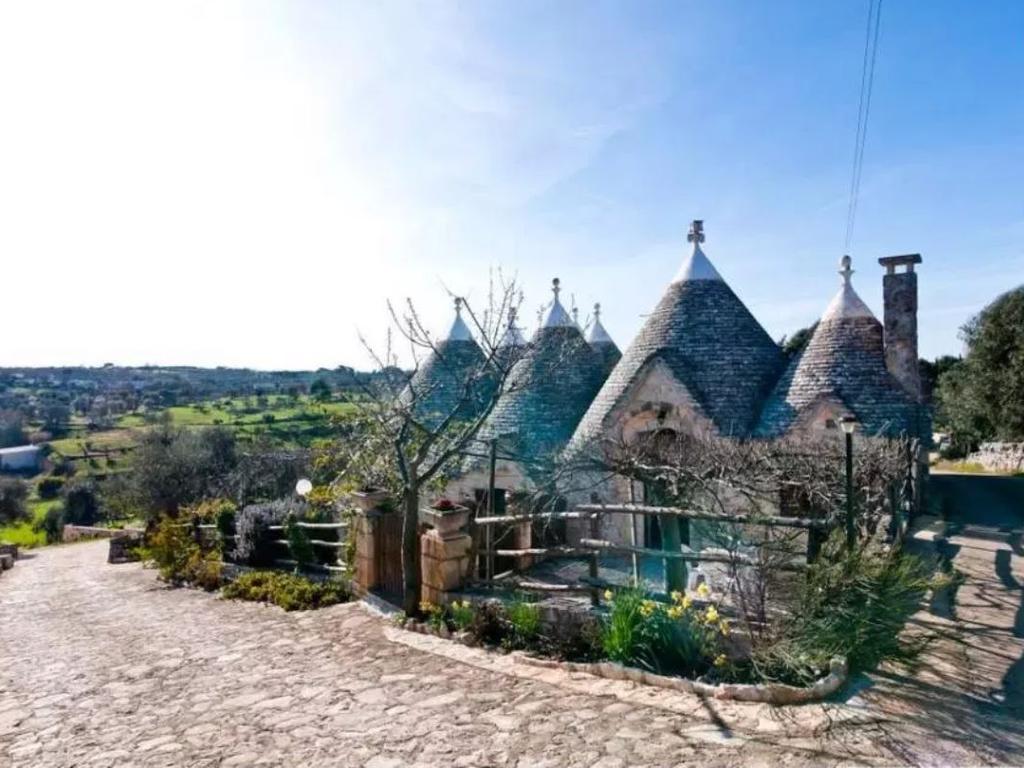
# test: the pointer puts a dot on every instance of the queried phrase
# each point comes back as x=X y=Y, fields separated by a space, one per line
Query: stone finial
x=575 y=314
x=845 y=269
x=556 y=287
x=460 y=331
x=597 y=311
x=696 y=234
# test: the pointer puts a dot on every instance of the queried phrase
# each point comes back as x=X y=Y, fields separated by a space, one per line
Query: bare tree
x=754 y=483
x=409 y=436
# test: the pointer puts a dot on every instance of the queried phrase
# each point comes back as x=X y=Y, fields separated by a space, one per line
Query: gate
x=389 y=555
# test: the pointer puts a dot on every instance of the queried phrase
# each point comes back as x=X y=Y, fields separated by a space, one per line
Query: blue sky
x=246 y=183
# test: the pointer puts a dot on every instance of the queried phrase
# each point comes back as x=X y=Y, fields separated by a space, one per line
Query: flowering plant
x=676 y=637
x=443 y=505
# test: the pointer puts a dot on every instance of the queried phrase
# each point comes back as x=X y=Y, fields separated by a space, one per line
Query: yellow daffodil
x=711 y=615
x=647 y=607
x=608 y=595
x=703 y=590
x=686 y=602
x=723 y=625
x=721 y=660
x=675 y=612
x=677 y=596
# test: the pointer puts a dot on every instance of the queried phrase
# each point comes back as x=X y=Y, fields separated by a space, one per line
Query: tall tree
x=983 y=398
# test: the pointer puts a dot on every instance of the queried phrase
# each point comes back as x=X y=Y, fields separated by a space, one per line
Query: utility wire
x=867 y=78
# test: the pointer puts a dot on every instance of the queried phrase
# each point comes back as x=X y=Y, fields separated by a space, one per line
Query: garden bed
x=778 y=694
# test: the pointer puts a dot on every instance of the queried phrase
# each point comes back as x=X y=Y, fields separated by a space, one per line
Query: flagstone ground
x=102 y=665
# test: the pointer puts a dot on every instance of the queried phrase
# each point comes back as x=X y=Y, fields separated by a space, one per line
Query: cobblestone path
x=102 y=665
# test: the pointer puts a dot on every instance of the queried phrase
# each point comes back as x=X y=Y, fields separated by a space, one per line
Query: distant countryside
x=89 y=422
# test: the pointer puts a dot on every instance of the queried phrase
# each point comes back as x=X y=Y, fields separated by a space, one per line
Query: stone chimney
x=900 y=293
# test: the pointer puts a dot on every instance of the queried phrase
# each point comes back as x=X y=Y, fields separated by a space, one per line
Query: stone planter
x=369 y=500
x=447 y=522
x=9 y=549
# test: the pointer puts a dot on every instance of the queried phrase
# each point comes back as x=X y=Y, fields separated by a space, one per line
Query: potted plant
x=445 y=516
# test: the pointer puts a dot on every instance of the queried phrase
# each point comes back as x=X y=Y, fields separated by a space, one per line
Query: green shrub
x=524 y=623
x=50 y=487
x=853 y=605
x=298 y=542
x=52 y=525
x=461 y=613
x=290 y=592
x=13 y=495
x=179 y=558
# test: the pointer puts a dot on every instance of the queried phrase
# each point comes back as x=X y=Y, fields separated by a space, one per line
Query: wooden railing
x=593 y=546
x=338 y=566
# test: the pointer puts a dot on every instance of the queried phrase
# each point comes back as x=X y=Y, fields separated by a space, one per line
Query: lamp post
x=849 y=424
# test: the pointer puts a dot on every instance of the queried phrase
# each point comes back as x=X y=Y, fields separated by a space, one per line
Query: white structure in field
x=22 y=458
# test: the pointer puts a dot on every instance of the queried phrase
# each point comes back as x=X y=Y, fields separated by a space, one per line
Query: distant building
x=21 y=458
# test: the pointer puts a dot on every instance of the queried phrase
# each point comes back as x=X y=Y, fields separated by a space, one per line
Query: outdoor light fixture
x=849 y=423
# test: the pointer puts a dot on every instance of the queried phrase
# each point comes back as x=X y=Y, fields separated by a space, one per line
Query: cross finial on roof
x=696 y=234
x=458 y=305
x=575 y=314
x=556 y=287
x=597 y=311
x=845 y=269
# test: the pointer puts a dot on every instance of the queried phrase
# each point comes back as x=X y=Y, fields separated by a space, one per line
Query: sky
x=248 y=183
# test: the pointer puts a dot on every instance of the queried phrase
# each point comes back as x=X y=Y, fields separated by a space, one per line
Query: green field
x=285 y=420
x=22 y=533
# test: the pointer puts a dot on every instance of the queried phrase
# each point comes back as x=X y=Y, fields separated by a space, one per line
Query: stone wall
x=999 y=457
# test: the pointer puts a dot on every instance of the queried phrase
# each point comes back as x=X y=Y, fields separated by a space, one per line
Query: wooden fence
x=337 y=564
x=593 y=546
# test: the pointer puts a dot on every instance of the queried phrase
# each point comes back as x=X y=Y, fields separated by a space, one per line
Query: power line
x=867 y=78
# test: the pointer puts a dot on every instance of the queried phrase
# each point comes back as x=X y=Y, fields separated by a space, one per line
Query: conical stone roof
x=708 y=340
x=844 y=361
x=546 y=393
x=602 y=343
x=454 y=377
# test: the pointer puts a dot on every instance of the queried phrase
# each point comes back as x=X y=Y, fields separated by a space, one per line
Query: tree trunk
x=411 y=550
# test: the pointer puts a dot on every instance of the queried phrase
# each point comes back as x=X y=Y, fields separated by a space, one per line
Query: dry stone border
x=769 y=693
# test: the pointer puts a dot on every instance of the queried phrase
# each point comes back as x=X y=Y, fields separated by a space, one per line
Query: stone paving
x=101 y=665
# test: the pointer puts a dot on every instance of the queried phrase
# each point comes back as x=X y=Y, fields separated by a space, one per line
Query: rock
x=123 y=548
x=6 y=562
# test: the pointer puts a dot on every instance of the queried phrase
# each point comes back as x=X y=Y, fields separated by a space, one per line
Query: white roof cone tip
x=697 y=266
x=513 y=337
x=557 y=317
x=597 y=333
x=459 y=330
x=846 y=304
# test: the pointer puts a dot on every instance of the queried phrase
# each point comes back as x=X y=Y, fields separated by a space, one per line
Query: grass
x=22 y=533
x=283 y=419
x=970 y=468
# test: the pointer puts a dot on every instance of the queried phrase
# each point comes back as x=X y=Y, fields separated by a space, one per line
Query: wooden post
x=851 y=529
x=671 y=541
x=489 y=535
x=595 y=532
x=632 y=536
